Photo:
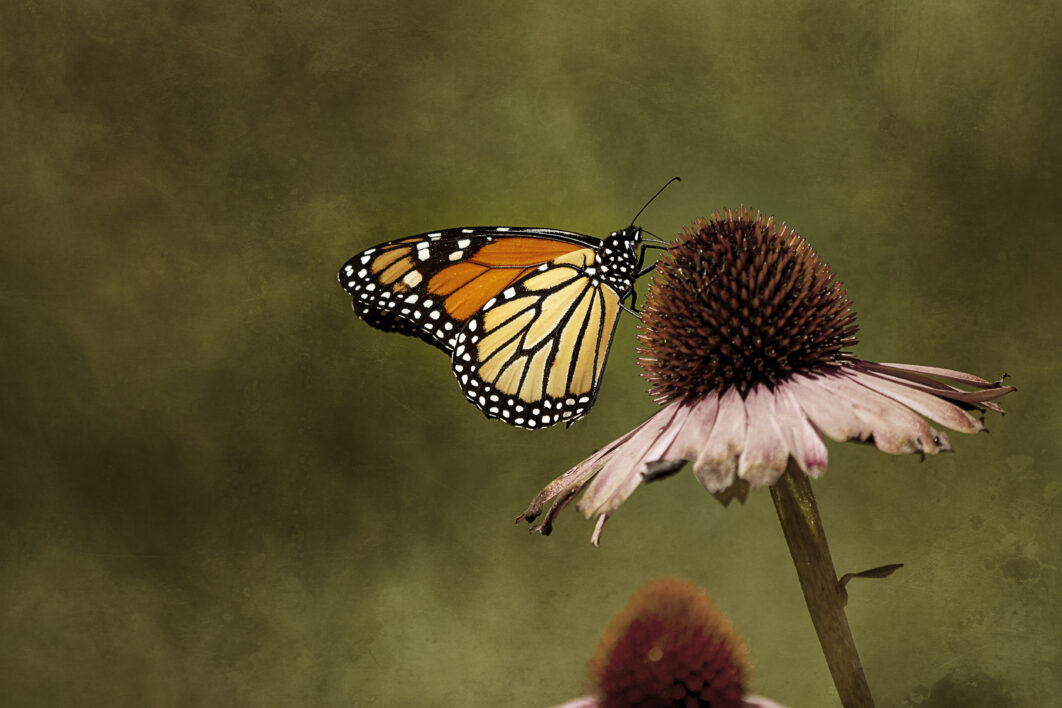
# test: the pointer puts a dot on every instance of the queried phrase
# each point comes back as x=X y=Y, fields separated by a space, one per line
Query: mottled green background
x=217 y=487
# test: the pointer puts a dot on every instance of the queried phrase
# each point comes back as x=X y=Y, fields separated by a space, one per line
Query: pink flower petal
x=716 y=465
x=946 y=374
x=929 y=405
x=766 y=452
x=805 y=442
x=896 y=428
x=695 y=430
x=595 y=537
x=622 y=472
x=833 y=417
x=980 y=398
x=569 y=484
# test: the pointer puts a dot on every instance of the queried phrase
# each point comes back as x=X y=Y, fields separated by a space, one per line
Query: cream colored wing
x=534 y=355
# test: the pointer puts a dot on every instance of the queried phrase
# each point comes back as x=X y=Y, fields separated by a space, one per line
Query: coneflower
x=746 y=342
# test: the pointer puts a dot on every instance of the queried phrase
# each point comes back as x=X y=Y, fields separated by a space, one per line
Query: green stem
x=802 y=526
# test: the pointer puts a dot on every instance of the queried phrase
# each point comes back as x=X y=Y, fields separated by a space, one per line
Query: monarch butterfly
x=527 y=315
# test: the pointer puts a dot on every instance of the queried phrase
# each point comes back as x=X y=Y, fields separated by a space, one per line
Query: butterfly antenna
x=673 y=179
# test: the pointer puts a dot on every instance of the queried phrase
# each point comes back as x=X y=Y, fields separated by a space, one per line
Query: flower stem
x=802 y=526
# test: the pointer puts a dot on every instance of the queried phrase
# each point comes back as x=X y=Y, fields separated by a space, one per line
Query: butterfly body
x=526 y=314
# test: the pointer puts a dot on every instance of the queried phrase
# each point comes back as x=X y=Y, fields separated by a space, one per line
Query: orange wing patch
x=497 y=265
x=517 y=251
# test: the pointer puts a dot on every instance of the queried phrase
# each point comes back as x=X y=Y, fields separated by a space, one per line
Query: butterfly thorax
x=618 y=261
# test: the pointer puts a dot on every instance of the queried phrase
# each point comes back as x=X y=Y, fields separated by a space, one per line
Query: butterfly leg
x=641 y=258
x=640 y=270
x=633 y=295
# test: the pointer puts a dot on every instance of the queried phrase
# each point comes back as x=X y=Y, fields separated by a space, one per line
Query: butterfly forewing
x=430 y=285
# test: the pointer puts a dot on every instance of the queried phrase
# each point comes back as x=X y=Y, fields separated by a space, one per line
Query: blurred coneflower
x=745 y=341
x=670 y=646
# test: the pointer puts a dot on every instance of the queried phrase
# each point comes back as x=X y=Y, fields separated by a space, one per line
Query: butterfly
x=527 y=315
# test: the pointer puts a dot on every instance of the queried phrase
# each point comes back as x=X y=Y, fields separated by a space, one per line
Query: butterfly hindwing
x=535 y=355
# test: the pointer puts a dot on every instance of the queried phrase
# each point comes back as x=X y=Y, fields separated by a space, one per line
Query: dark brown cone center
x=739 y=301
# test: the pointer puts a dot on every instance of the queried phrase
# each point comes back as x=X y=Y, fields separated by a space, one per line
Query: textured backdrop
x=217 y=487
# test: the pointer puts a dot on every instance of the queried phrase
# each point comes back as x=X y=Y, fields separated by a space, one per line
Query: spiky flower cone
x=741 y=301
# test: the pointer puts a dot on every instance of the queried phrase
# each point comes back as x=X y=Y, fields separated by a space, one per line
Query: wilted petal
x=766 y=453
x=716 y=465
x=563 y=488
x=545 y=526
x=896 y=429
x=946 y=374
x=805 y=442
x=833 y=417
x=695 y=430
x=928 y=404
x=921 y=377
x=622 y=473
x=595 y=537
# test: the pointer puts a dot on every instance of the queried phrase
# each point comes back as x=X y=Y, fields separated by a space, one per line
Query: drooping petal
x=921 y=377
x=565 y=487
x=946 y=374
x=716 y=465
x=595 y=537
x=805 y=442
x=622 y=473
x=766 y=452
x=545 y=526
x=896 y=428
x=833 y=417
x=929 y=405
x=695 y=430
